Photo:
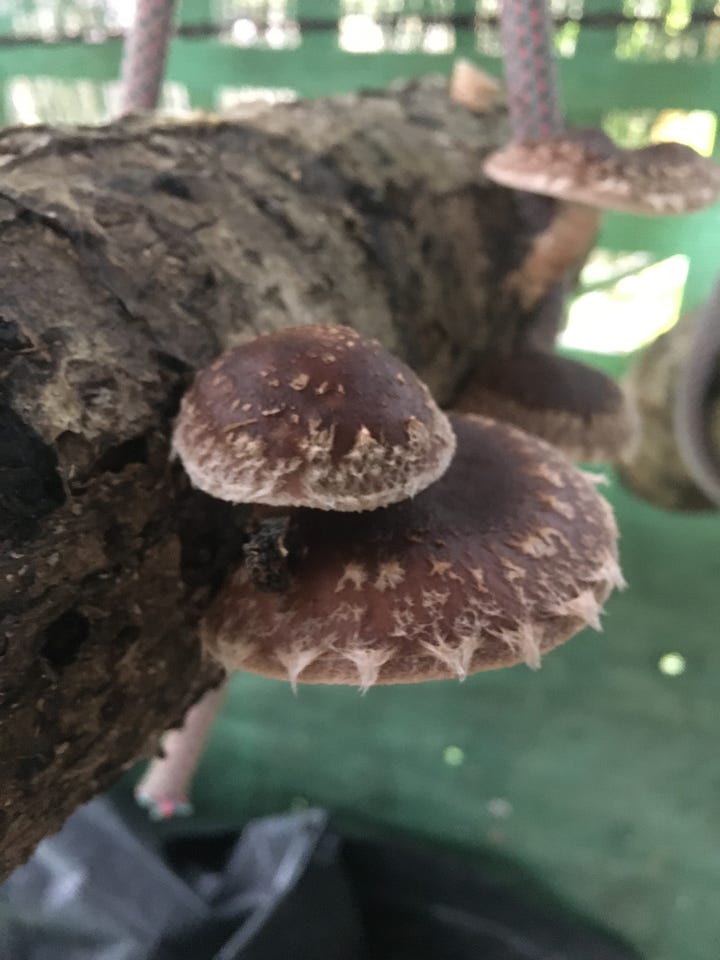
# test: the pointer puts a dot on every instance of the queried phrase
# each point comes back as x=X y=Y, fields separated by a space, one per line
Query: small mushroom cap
x=312 y=416
x=473 y=87
x=585 y=166
x=569 y=404
x=510 y=553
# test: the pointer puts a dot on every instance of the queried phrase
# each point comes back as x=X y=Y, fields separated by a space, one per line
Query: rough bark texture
x=129 y=256
x=656 y=471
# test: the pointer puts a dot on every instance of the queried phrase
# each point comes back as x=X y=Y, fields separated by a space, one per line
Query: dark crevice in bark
x=62 y=639
x=30 y=486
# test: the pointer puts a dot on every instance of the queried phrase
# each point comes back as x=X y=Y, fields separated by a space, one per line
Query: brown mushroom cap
x=312 y=416
x=510 y=553
x=585 y=166
x=571 y=405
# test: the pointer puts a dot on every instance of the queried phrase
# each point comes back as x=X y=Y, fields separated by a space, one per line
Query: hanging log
x=656 y=471
x=130 y=255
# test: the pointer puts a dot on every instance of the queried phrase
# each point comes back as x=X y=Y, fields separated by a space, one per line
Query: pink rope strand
x=144 y=53
x=530 y=73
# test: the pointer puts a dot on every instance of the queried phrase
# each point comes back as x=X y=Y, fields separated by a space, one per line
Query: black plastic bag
x=286 y=888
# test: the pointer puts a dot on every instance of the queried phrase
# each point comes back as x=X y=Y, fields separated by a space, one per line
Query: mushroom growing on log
x=507 y=555
x=310 y=416
x=579 y=409
x=589 y=174
x=504 y=557
x=131 y=255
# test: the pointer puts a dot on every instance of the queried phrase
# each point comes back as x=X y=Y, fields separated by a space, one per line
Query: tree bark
x=129 y=256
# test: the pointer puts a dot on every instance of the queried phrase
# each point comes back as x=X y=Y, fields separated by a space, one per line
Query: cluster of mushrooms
x=392 y=543
x=580 y=173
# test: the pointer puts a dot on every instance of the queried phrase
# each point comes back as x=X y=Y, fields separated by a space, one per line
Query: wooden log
x=130 y=255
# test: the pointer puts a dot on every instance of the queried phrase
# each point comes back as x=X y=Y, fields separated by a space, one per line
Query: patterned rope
x=530 y=73
x=526 y=29
x=143 y=63
x=691 y=415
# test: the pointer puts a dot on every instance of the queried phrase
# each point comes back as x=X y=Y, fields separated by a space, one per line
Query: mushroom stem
x=692 y=413
x=530 y=74
x=562 y=246
x=544 y=327
x=165 y=787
